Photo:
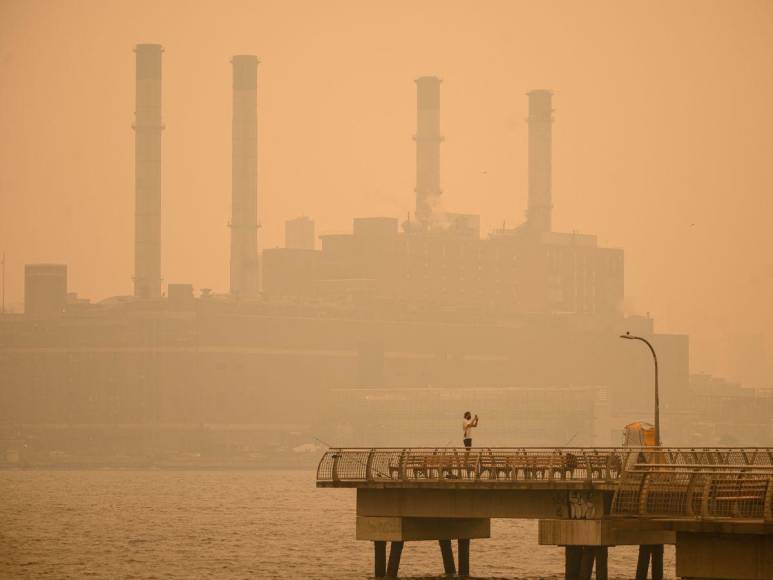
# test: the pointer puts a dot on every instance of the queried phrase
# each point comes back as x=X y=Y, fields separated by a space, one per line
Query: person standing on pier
x=467 y=425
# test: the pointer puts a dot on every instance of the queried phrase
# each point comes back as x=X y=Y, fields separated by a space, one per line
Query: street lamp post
x=630 y=336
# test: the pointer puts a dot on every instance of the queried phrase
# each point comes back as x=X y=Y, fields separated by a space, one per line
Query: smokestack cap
x=245 y=71
x=149 y=61
x=428 y=92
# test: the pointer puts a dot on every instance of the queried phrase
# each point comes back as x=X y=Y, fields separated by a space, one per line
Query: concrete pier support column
x=572 y=559
x=580 y=560
x=643 y=563
x=650 y=553
x=449 y=566
x=586 y=562
x=379 y=567
x=656 y=556
x=464 y=557
x=395 y=551
x=602 y=558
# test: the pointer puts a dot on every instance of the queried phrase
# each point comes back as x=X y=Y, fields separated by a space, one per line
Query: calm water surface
x=225 y=524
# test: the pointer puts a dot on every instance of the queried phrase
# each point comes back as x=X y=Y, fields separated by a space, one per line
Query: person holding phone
x=467 y=425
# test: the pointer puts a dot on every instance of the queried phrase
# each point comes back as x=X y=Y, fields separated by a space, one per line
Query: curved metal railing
x=500 y=464
x=696 y=491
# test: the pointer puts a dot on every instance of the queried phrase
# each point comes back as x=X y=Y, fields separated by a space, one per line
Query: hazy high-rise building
x=45 y=289
x=299 y=233
x=147 y=162
x=540 y=160
x=245 y=270
x=428 y=141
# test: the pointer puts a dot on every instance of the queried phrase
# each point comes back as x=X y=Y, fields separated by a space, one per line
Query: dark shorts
x=468 y=442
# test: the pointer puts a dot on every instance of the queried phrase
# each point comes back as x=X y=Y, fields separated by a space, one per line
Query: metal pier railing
x=696 y=491
x=533 y=464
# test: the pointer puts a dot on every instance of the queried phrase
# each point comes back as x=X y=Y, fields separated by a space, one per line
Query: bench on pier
x=738 y=498
x=489 y=464
x=528 y=465
x=434 y=466
x=607 y=466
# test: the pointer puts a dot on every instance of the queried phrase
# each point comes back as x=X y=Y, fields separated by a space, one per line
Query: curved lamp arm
x=630 y=336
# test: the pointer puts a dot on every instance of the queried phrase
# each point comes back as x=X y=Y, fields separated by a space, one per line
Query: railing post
x=767 y=508
x=643 y=490
x=336 y=455
x=625 y=457
x=369 y=466
x=402 y=464
x=588 y=469
x=689 y=493
x=705 y=496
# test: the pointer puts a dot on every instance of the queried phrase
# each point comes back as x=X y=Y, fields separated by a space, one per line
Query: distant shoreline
x=118 y=467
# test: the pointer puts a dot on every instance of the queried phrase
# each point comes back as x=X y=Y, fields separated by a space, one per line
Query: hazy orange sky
x=662 y=139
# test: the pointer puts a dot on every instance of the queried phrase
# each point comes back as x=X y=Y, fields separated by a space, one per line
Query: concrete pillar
x=586 y=562
x=580 y=560
x=379 y=568
x=650 y=553
x=464 y=557
x=395 y=551
x=449 y=567
x=643 y=563
x=572 y=559
x=602 y=556
x=656 y=555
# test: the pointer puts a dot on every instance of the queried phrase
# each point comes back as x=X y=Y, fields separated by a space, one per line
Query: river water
x=226 y=524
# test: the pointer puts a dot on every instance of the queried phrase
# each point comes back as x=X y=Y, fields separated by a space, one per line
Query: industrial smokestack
x=147 y=173
x=540 y=160
x=245 y=271
x=428 y=141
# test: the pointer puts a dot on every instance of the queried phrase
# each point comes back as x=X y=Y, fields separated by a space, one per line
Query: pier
x=714 y=504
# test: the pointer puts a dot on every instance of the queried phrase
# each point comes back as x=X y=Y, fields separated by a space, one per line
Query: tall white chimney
x=147 y=173
x=540 y=160
x=428 y=141
x=245 y=267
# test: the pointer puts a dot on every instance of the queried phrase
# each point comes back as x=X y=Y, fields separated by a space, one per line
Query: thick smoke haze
x=661 y=142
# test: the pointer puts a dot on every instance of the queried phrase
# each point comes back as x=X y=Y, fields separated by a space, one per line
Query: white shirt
x=467 y=426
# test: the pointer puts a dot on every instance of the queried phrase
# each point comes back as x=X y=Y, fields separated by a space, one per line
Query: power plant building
x=300 y=233
x=441 y=260
x=45 y=290
x=390 y=326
